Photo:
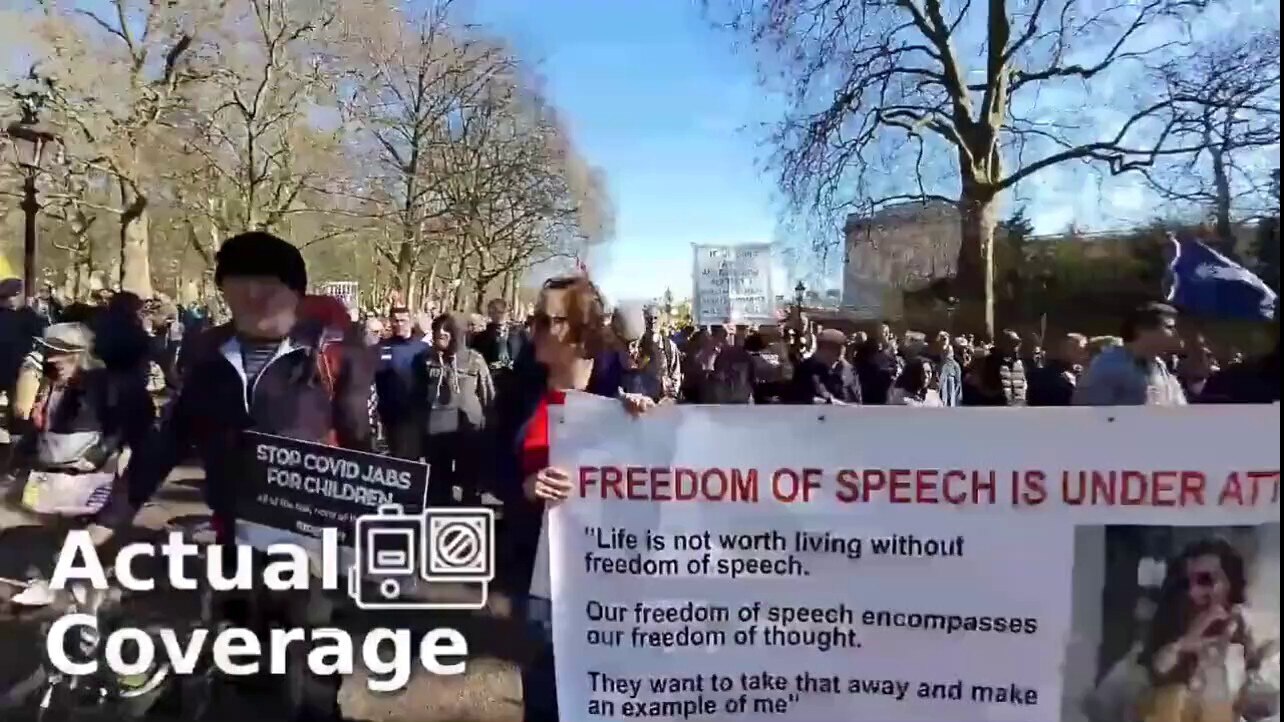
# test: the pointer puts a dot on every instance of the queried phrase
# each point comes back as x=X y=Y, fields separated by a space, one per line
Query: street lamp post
x=800 y=292
x=29 y=138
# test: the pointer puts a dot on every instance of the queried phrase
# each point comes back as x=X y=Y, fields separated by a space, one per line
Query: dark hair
x=754 y=343
x=1144 y=318
x=125 y=303
x=585 y=314
x=398 y=309
x=451 y=324
x=79 y=312
x=916 y=376
x=1171 y=612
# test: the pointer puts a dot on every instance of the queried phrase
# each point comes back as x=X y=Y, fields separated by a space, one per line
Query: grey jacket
x=460 y=383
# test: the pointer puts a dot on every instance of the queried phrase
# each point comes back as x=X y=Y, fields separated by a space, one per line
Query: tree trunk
x=1222 y=202
x=430 y=281
x=409 y=292
x=81 y=273
x=456 y=295
x=111 y=277
x=514 y=295
x=81 y=255
x=423 y=295
x=403 y=276
x=86 y=279
x=506 y=289
x=978 y=216
x=216 y=236
x=135 y=248
x=457 y=290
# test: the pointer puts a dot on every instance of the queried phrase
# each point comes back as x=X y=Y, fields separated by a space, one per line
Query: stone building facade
x=899 y=248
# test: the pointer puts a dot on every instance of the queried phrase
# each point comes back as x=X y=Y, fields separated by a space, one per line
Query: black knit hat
x=261 y=254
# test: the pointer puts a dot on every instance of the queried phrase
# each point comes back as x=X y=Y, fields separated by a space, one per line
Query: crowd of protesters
x=798 y=362
x=471 y=398
x=441 y=379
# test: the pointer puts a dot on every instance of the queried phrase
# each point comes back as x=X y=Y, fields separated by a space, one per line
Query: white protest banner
x=816 y=564
x=733 y=285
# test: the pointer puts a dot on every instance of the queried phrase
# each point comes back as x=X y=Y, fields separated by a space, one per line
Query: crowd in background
x=800 y=362
x=471 y=396
x=439 y=379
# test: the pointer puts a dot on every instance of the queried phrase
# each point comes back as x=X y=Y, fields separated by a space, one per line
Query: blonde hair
x=89 y=362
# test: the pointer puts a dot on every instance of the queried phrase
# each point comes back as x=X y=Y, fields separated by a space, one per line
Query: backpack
x=329 y=360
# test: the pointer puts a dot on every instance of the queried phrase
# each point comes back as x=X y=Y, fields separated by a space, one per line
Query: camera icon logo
x=395 y=553
x=459 y=545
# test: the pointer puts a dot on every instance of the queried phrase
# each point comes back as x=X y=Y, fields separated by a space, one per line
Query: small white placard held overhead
x=733 y=285
x=345 y=291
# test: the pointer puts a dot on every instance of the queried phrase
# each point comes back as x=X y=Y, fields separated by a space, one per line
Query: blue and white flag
x=1203 y=282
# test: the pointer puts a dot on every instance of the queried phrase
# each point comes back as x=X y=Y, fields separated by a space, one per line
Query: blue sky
x=654 y=97
x=657 y=98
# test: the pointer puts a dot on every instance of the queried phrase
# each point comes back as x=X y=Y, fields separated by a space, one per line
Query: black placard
x=302 y=487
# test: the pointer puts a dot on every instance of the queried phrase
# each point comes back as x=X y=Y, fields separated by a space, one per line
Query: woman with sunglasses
x=573 y=349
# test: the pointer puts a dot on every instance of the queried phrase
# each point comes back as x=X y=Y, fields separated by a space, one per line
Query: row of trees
x=1097 y=274
x=895 y=100
x=397 y=144
x=1081 y=281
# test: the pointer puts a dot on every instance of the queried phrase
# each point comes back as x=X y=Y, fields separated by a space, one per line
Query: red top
x=535 y=446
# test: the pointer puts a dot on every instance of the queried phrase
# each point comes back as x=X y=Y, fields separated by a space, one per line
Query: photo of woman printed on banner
x=1186 y=625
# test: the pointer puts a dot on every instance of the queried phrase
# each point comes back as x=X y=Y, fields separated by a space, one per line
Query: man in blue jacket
x=402 y=422
x=401 y=419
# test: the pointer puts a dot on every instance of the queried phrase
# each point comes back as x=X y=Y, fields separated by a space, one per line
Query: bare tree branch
x=880 y=86
x=1229 y=90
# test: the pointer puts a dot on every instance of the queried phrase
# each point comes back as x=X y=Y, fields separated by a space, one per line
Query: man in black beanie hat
x=262 y=278
x=263 y=372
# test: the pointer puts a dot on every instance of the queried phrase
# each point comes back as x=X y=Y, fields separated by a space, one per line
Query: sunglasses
x=1203 y=580
x=543 y=321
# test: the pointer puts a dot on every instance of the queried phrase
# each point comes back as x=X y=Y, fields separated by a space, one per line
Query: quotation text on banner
x=898 y=565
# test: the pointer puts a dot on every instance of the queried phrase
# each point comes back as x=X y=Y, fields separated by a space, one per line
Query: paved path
x=490 y=690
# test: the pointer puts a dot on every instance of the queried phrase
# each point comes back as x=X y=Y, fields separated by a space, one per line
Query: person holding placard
x=267 y=371
x=573 y=349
